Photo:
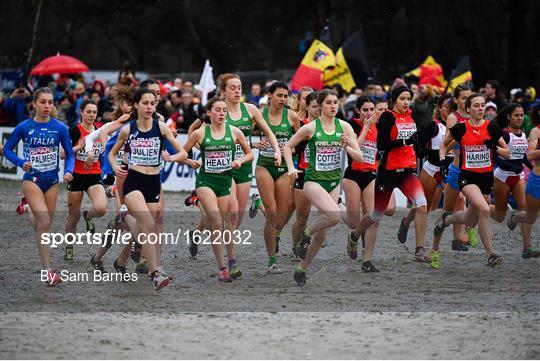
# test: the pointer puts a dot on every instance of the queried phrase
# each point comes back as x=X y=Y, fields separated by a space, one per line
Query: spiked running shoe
x=274 y=269
x=458 y=246
x=419 y=255
x=52 y=278
x=300 y=277
x=160 y=279
x=435 y=259
x=531 y=252
x=473 y=236
x=192 y=199
x=440 y=225
x=22 y=207
x=89 y=224
x=98 y=265
x=142 y=267
x=118 y=268
x=224 y=275
x=68 y=255
x=235 y=272
x=511 y=225
x=303 y=244
x=255 y=204
x=352 y=246
x=402 y=231
x=368 y=267
x=494 y=260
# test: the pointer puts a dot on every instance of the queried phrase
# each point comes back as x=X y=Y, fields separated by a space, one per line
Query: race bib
x=44 y=159
x=217 y=161
x=306 y=154
x=269 y=152
x=327 y=158
x=477 y=156
x=405 y=130
x=239 y=152
x=369 y=150
x=145 y=151
x=519 y=148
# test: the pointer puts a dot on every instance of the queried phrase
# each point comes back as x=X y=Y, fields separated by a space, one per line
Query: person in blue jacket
x=41 y=136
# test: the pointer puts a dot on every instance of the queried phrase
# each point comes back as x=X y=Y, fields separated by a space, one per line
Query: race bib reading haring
x=477 y=156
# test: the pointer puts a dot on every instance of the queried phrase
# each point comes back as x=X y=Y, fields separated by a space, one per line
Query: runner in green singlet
x=327 y=137
x=217 y=143
x=230 y=87
x=272 y=181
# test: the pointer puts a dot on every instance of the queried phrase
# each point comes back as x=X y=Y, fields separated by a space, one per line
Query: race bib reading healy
x=217 y=161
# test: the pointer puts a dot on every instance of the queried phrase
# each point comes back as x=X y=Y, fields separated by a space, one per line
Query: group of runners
x=301 y=152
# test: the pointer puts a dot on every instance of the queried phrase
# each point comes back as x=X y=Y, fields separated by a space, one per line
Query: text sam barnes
x=96 y=276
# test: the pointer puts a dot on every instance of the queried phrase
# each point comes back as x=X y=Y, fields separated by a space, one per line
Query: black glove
x=443 y=168
x=413 y=139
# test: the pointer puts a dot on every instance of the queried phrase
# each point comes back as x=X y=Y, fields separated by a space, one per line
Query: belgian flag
x=352 y=65
x=319 y=57
x=429 y=72
x=461 y=74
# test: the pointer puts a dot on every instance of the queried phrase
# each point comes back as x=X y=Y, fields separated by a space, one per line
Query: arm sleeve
x=11 y=143
x=90 y=138
x=495 y=132
x=68 y=149
x=431 y=130
x=74 y=134
x=457 y=131
x=384 y=141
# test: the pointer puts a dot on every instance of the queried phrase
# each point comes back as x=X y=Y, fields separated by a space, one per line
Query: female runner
x=41 y=138
x=142 y=186
x=477 y=138
x=218 y=142
x=327 y=137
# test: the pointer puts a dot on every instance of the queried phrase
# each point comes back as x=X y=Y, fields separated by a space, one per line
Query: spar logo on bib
x=405 y=130
x=477 y=156
x=217 y=161
x=145 y=151
x=327 y=158
x=369 y=150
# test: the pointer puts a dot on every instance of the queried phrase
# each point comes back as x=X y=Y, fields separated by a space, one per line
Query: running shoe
x=531 y=252
x=142 y=267
x=352 y=246
x=52 y=278
x=274 y=269
x=440 y=225
x=160 y=279
x=192 y=199
x=303 y=244
x=235 y=272
x=473 y=236
x=458 y=246
x=511 y=225
x=22 y=207
x=90 y=226
x=118 y=268
x=98 y=265
x=278 y=240
x=135 y=252
x=224 y=275
x=419 y=255
x=109 y=191
x=494 y=260
x=294 y=256
x=402 y=231
x=255 y=204
x=435 y=259
x=68 y=255
x=193 y=246
x=300 y=277
x=368 y=267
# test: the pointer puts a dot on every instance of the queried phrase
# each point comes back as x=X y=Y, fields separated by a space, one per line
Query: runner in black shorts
x=478 y=138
